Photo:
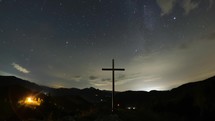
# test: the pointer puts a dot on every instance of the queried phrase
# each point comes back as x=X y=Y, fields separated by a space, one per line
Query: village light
x=31 y=101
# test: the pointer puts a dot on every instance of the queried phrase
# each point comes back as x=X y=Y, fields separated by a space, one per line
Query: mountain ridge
x=191 y=101
x=23 y=81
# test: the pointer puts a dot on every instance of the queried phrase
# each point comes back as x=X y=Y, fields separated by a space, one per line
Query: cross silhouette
x=113 y=86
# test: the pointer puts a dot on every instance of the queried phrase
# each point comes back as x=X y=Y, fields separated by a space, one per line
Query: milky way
x=65 y=43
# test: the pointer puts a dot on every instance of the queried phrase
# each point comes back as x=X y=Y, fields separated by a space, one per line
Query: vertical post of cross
x=113 y=69
x=113 y=85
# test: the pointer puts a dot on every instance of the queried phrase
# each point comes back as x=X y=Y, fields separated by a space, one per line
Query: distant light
x=131 y=108
x=31 y=101
x=174 y=18
x=45 y=93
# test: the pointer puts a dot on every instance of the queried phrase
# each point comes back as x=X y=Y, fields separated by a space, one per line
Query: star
x=153 y=39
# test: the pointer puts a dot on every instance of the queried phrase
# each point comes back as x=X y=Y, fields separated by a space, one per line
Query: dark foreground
x=189 y=102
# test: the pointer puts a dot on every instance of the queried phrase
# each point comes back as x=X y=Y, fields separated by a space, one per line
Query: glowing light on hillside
x=31 y=101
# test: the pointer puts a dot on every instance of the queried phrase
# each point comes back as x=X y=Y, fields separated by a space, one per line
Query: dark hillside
x=192 y=101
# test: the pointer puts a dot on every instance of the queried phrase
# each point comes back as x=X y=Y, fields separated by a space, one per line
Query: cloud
x=121 y=77
x=106 y=79
x=57 y=86
x=75 y=78
x=188 y=5
x=188 y=62
x=210 y=3
x=166 y=6
x=209 y=37
x=184 y=46
x=20 y=68
x=204 y=38
x=101 y=84
x=93 y=77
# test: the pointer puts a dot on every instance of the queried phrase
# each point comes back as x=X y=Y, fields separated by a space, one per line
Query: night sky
x=65 y=43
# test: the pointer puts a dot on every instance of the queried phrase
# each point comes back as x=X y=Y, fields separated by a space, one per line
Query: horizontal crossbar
x=115 y=69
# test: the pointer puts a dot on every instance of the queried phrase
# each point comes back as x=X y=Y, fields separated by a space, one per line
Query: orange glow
x=31 y=101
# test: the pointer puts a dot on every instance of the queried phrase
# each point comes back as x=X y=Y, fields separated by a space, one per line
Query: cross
x=113 y=88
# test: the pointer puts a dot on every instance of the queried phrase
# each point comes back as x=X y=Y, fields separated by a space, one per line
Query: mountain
x=61 y=104
x=192 y=101
x=90 y=94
